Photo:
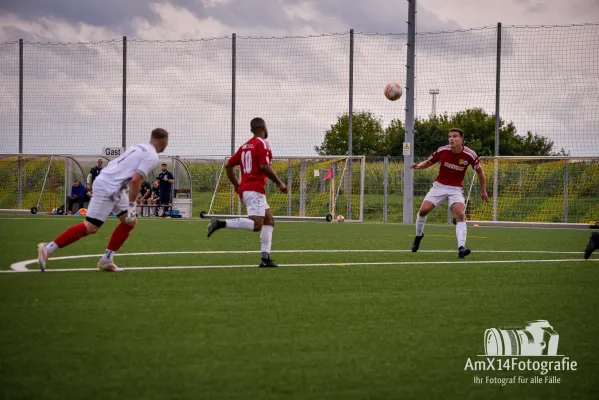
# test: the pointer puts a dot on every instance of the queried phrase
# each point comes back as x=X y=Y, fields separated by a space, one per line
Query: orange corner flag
x=329 y=174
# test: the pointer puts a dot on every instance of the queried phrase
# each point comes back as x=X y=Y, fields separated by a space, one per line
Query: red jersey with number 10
x=453 y=166
x=249 y=157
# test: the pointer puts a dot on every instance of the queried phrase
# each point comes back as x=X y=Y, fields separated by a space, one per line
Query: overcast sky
x=81 y=84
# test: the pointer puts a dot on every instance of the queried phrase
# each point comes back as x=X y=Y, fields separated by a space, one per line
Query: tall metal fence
x=79 y=98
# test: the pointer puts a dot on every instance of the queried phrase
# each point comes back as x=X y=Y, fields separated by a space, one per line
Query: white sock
x=51 y=247
x=460 y=231
x=240 y=223
x=266 y=238
x=108 y=254
x=420 y=221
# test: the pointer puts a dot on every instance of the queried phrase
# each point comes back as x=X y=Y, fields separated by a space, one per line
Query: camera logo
x=537 y=338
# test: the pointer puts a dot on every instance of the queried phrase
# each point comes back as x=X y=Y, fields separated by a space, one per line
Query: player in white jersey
x=115 y=190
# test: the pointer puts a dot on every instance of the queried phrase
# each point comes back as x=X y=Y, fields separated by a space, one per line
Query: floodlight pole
x=434 y=93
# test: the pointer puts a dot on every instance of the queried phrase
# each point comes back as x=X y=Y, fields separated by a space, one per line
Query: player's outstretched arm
x=273 y=177
x=422 y=165
x=483 y=184
x=231 y=175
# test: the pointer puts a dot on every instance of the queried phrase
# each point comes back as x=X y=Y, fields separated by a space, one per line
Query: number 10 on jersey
x=246 y=162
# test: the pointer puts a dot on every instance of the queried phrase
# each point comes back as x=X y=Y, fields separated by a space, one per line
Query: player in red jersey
x=254 y=158
x=454 y=159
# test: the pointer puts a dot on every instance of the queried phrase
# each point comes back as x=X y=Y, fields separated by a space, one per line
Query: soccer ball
x=393 y=91
x=340 y=218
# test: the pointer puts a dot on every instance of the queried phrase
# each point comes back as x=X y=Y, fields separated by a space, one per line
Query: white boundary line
x=21 y=266
x=315 y=265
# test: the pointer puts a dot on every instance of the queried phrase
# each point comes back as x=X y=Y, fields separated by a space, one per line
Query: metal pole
x=20 y=172
x=350 y=124
x=233 y=90
x=566 y=180
x=289 y=186
x=20 y=96
x=362 y=182
x=408 y=183
x=302 y=189
x=124 y=129
x=497 y=117
x=385 y=186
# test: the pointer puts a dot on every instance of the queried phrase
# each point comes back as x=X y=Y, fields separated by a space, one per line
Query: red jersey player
x=454 y=159
x=254 y=158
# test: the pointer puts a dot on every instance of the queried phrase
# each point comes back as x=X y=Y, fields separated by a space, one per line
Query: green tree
x=368 y=136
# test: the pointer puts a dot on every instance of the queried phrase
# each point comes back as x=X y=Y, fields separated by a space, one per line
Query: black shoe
x=416 y=244
x=268 y=264
x=462 y=252
x=215 y=225
x=592 y=246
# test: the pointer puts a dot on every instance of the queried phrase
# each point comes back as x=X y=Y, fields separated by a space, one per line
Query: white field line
x=22 y=265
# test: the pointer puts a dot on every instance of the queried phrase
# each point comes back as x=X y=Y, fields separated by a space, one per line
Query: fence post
x=566 y=180
x=19 y=164
x=497 y=116
x=385 y=186
x=302 y=190
x=350 y=124
x=233 y=89
x=408 y=183
x=289 y=186
x=124 y=129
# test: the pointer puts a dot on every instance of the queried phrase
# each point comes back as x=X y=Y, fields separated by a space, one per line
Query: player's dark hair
x=159 y=134
x=458 y=130
x=257 y=123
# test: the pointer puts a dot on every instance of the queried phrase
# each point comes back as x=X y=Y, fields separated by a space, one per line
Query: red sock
x=71 y=235
x=119 y=235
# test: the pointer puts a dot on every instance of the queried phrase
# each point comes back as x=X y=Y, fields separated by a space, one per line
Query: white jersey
x=141 y=158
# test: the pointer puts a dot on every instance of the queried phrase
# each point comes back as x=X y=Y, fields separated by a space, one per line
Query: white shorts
x=255 y=203
x=103 y=203
x=440 y=192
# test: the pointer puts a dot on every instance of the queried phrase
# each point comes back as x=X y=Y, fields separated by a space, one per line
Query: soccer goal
x=32 y=183
x=318 y=188
x=536 y=191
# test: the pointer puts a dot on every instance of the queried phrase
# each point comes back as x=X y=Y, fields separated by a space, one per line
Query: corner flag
x=328 y=175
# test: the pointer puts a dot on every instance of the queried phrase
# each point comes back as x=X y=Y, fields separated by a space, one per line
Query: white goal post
x=318 y=189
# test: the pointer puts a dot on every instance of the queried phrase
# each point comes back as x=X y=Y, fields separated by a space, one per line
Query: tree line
x=370 y=138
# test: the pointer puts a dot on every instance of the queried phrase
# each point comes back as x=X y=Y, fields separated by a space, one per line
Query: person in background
x=95 y=171
x=166 y=180
x=78 y=192
x=154 y=197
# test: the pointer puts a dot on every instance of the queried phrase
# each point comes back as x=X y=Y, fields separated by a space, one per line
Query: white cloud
x=469 y=13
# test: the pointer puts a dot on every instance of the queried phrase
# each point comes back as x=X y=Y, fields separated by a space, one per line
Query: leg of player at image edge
x=592 y=245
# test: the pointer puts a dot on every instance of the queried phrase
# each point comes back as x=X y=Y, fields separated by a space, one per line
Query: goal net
x=536 y=189
x=318 y=188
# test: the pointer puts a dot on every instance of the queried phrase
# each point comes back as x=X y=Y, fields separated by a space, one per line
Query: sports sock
x=266 y=240
x=118 y=237
x=108 y=254
x=51 y=247
x=240 y=223
x=460 y=231
x=71 y=235
x=420 y=221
